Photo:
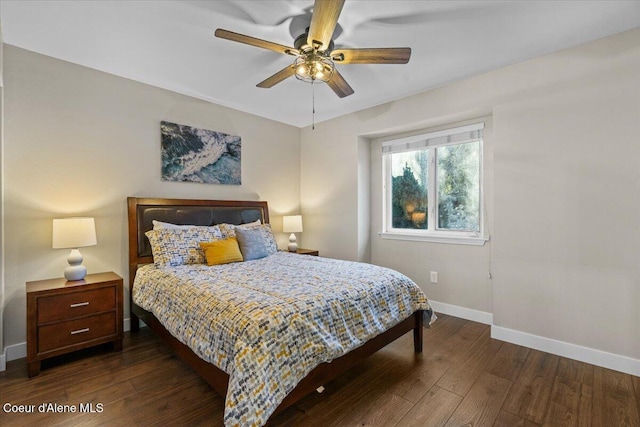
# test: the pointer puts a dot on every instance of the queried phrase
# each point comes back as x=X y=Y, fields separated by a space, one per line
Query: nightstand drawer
x=76 y=331
x=76 y=304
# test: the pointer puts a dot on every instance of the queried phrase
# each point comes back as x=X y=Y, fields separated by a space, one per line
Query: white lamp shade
x=74 y=233
x=292 y=224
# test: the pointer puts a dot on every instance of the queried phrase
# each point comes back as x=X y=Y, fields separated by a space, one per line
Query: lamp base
x=75 y=270
x=293 y=244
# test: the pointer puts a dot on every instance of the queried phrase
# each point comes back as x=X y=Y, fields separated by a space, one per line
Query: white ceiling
x=170 y=44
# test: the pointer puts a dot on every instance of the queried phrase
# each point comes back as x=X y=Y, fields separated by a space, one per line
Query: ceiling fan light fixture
x=313 y=68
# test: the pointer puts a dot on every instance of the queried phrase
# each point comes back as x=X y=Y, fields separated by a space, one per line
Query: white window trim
x=438 y=237
x=472 y=238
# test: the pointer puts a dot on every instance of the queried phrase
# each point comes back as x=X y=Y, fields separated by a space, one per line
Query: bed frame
x=141 y=212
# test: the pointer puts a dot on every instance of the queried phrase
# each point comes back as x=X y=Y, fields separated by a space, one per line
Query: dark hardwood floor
x=463 y=378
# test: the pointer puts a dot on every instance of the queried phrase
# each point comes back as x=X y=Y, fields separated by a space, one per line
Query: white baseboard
x=462 y=312
x=589 y=355
x=592 y=356
x=18 y=351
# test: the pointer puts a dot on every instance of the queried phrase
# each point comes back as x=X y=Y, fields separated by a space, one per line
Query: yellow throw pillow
x=222 y=251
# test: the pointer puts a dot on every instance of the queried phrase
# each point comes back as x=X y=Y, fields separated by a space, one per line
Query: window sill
x=454 y=240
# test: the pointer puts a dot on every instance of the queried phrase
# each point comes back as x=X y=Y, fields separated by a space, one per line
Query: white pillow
x=159 y=225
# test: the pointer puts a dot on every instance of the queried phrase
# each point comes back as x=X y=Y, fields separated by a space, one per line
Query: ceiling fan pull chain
x=313 y=105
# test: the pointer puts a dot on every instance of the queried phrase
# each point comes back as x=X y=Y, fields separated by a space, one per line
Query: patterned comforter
x=268 y=322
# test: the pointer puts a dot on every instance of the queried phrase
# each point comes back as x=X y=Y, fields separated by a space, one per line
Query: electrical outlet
x=434 y=277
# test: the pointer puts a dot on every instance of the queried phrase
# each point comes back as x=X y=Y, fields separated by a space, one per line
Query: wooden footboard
x=320 y=376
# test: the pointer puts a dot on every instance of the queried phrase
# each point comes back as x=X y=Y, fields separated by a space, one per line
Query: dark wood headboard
x=142 y=211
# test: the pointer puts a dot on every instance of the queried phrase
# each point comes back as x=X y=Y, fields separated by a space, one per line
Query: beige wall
x=2 y=355
x=564 y=194
x=79 y=141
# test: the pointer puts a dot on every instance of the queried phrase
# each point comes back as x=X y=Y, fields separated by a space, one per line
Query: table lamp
x=74 y=233
x=292 y=224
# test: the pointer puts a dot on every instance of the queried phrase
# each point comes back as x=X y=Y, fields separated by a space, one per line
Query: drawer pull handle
x=80 y=331
x=79 y=304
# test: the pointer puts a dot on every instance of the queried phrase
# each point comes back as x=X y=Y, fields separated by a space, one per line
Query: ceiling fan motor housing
x=300 y=43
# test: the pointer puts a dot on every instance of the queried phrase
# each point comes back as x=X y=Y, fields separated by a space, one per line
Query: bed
x=333 y=313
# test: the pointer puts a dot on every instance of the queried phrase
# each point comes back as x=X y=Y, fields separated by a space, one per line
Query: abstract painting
x=199 y=155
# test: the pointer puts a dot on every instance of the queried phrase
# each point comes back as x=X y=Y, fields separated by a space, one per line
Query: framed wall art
x=199 y=155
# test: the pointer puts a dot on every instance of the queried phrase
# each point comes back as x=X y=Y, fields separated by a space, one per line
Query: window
x=433 y=186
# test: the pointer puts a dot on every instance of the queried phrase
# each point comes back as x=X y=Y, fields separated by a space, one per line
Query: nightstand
x=65 y=316
x=307 y=252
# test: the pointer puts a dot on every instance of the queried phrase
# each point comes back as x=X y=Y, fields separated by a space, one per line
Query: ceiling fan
x=315 y=56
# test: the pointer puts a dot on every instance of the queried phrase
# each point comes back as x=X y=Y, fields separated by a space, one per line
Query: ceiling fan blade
x=323 y=22
x=339 y=85
x=286 y=72
x=388 y=55
x=241 y=38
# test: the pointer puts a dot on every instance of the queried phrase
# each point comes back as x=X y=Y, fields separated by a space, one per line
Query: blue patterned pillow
x=171 y=247
x=228 y=230
x=252 y=243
